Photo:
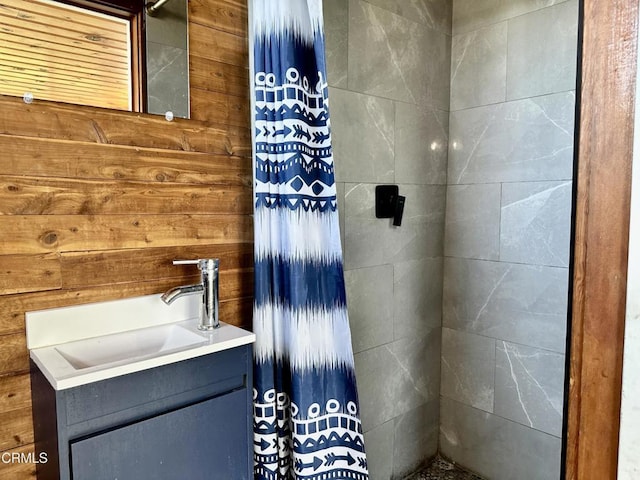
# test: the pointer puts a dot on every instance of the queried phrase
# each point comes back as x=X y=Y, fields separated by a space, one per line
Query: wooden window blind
x=64 y=53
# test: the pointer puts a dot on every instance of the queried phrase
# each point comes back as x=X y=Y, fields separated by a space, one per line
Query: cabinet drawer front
x=207 y=440
x=227 y=368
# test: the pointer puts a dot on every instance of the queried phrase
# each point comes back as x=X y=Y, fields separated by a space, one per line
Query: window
x=70 y=53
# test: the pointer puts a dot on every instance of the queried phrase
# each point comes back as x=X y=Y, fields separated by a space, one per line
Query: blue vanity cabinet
x=191 y=419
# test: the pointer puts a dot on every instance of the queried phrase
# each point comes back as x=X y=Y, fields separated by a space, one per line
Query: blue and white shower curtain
x=306 y=418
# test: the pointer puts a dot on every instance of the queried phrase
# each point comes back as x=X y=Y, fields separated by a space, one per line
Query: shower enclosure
x=458 y=316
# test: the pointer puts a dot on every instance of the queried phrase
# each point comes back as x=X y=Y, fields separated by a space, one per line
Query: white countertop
x=105 y=330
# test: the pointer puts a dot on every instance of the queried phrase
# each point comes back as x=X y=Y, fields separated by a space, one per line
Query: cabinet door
x=207 y=440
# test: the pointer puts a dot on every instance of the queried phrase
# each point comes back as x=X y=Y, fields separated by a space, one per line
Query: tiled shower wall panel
x=388 y=69
x=508 y=207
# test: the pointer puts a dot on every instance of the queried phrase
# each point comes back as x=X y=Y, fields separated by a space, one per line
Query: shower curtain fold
x=306 y=413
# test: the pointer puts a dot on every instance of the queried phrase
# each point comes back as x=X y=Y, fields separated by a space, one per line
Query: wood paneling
x=226 y=15
x=232 y=282
x=211 y=107
x=84 y=124
x=16 y=430
x=15 y=413
x=20 y=195
x=14 y=356
x=220 y=77
x=20 y=470
x=125 y=266
x=67 y=233
x=36 y=157
x=29 y=273
x=15 y=392
x=608 y=78
x=208 y=43
x=94 y=203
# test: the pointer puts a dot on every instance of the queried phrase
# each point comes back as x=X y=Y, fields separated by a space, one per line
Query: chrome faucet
x=208 y=286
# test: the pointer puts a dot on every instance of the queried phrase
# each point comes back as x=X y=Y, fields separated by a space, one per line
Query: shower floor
x=440 y=469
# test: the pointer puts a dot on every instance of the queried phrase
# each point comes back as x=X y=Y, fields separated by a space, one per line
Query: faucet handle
x=186 y=262
x=202 y=263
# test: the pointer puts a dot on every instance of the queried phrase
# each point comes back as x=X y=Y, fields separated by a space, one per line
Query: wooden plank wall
x=601 y=240
x=94 y=203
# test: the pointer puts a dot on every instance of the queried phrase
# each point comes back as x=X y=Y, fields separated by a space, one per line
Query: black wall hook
x=389 y=203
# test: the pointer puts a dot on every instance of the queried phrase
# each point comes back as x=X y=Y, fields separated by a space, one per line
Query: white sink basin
x=127 y=346
x=76 y=345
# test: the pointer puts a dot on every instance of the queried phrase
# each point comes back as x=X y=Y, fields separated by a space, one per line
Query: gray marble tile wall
x=497 y=447
x=465 y=305
x=388 y=67
x=507 y=232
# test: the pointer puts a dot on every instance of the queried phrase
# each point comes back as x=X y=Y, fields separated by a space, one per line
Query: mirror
x=105 y=53
x=167 y=59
